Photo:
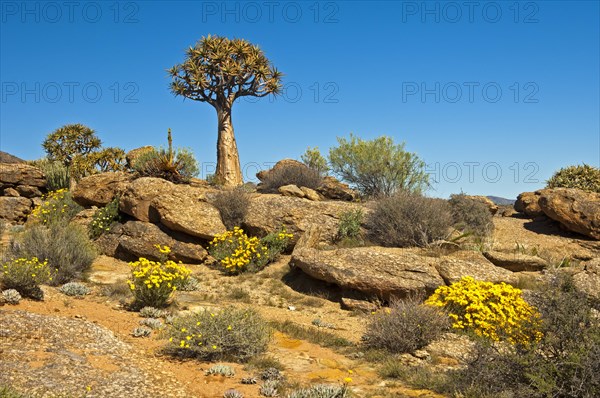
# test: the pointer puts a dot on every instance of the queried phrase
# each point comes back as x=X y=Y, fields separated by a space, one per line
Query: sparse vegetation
x=313 y=159
x=104 y=218
x=57 y=207
x=470 y=216
x=57 y=174
x=314 y=335
x=405 y=220
x=25 y=276
x=233 y=206
x=584 y=177
x=220 y=370
x=294 y=173
x=349 y=226
x=75 y=289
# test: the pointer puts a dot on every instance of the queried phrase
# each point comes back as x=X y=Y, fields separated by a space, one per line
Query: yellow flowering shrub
x=237 y=252
x=493 y=310
x=25 y=275
x=235 y=334
x=56 y=206
x=153 y=282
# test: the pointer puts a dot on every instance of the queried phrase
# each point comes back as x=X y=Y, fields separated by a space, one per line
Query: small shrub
x=74 y=289
x=584 y=177
x=175 y=165
x=57 y=207
x=349 y=226
x=496 y=311
x=233 y=394
x=321 y=391
x=104 y=218
x=238 y=293
x=236 y=252
x=407 y=326
x=25 y=276
x=230 y=334
x=141 y=332
x=313 y=335
x=67 y=249
x=271 y=374
x=293 y=173
x=57 y=175
x=3 y=225
x=233 y=206
x=220 y=370
x=11 y=296
x=405 y=220
x=270 y=388
x=314 y=160
x=470 y=216
x=191 y=284
x=152 y=323
x=153 y=282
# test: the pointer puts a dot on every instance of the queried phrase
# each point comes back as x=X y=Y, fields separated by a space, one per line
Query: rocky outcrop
x=282 y=164
x=291 y=190
x=15 y=209
x=310 y=194
x=138 y=195
x=516 y=262
x=134 y=154
x=6 y=157
x=21 y=185
x=358 y=305
x=527 y=203
x=331 y=188
x=13 y=174
x=100 y=189
x=588 y=281
x=577 y=210
x=452 y=268
x=492 y=207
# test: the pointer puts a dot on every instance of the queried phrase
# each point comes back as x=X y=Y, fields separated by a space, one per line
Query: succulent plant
x=74 y=289
x=11 y=296
x=152 y=323
x=151 y=312
x=320 y=391
x=141 y=332
x=271 y=374
x=583 y=177
x=221 y=370
x=233 y=394
x=191 y=284
x=249 y=380
x=269 y=388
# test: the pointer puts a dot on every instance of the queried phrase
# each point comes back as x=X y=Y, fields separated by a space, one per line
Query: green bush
x=295 y=173
x=231 y=334
x=583 y=177
x=405 y=220
x=406 y=326
x=471 y=216
x=175 y=165
x=104 y=218
x=314 y=160
x=25 y=276
x=57 y=175
x=378 y=167
x=57 y=207
x=67 y=249
x=349 y=226
x=233 y=206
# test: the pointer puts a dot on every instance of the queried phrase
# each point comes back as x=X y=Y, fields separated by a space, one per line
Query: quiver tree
x=218 y=70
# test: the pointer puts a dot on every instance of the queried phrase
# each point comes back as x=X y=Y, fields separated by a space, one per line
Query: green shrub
x=233 y=206
x=57 y=175
x=175 y=165
x=231 y=334
x=314 y=160
x=57 y=207
x=407 y=326
x=470 y=216
x=294 y=173
x=104 y=218
x=406 y=219
x=583 y=177
x=25 y=276
x=67 y=249
x=378 y=167
x=349 y=226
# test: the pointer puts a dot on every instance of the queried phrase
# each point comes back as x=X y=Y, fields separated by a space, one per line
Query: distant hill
x=501 y=201
x=8 y=158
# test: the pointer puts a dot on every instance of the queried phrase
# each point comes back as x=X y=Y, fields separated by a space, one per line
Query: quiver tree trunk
x=228 y=171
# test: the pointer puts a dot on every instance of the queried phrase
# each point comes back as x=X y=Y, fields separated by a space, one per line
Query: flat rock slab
x=100 y=189
x=516 y=262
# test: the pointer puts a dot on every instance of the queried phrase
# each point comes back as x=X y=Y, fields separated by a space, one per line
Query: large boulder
x=588 y=281
x=492 y=207
x=467 y=263
x=516 y=262
x=577 y=210
x=138 y=195
x=21 y=174
x=28 y=191
x=183 y=209
x=282 y=164
x=333 y=189
x=291 y=190
x=269 y=212
x=14 y=209
x=527 y=203
x=100 y=189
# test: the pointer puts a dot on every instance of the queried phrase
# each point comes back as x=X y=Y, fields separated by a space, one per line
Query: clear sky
x=493 y=96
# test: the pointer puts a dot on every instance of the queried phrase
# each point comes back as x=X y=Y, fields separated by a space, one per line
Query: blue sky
x=493 y=96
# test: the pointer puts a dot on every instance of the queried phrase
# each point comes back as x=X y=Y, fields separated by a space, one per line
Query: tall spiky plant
x=218 y=71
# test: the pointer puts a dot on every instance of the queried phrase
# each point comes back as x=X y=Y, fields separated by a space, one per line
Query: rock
x=8 y=158
x=134 y=154
x=358 y=305
x=138 y=195
x=291 y=190
x=331 y=188
x=11 y=192
x=516 y=262
x=527 y=203
x=588 y=281
x=100 y=189
x=310 y=194
x=138 y=239
x=474 y=264
x=377 y=271
x=492 y=207
x=269 y=212
x=265 y=174
x=577 y=210
x=28 y=191
x=508 y=212
x=85 y=217
x=21 y=174
x=181 y=210
x=14 y=209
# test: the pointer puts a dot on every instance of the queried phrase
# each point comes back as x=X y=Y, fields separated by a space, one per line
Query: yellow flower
x=347 y=380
